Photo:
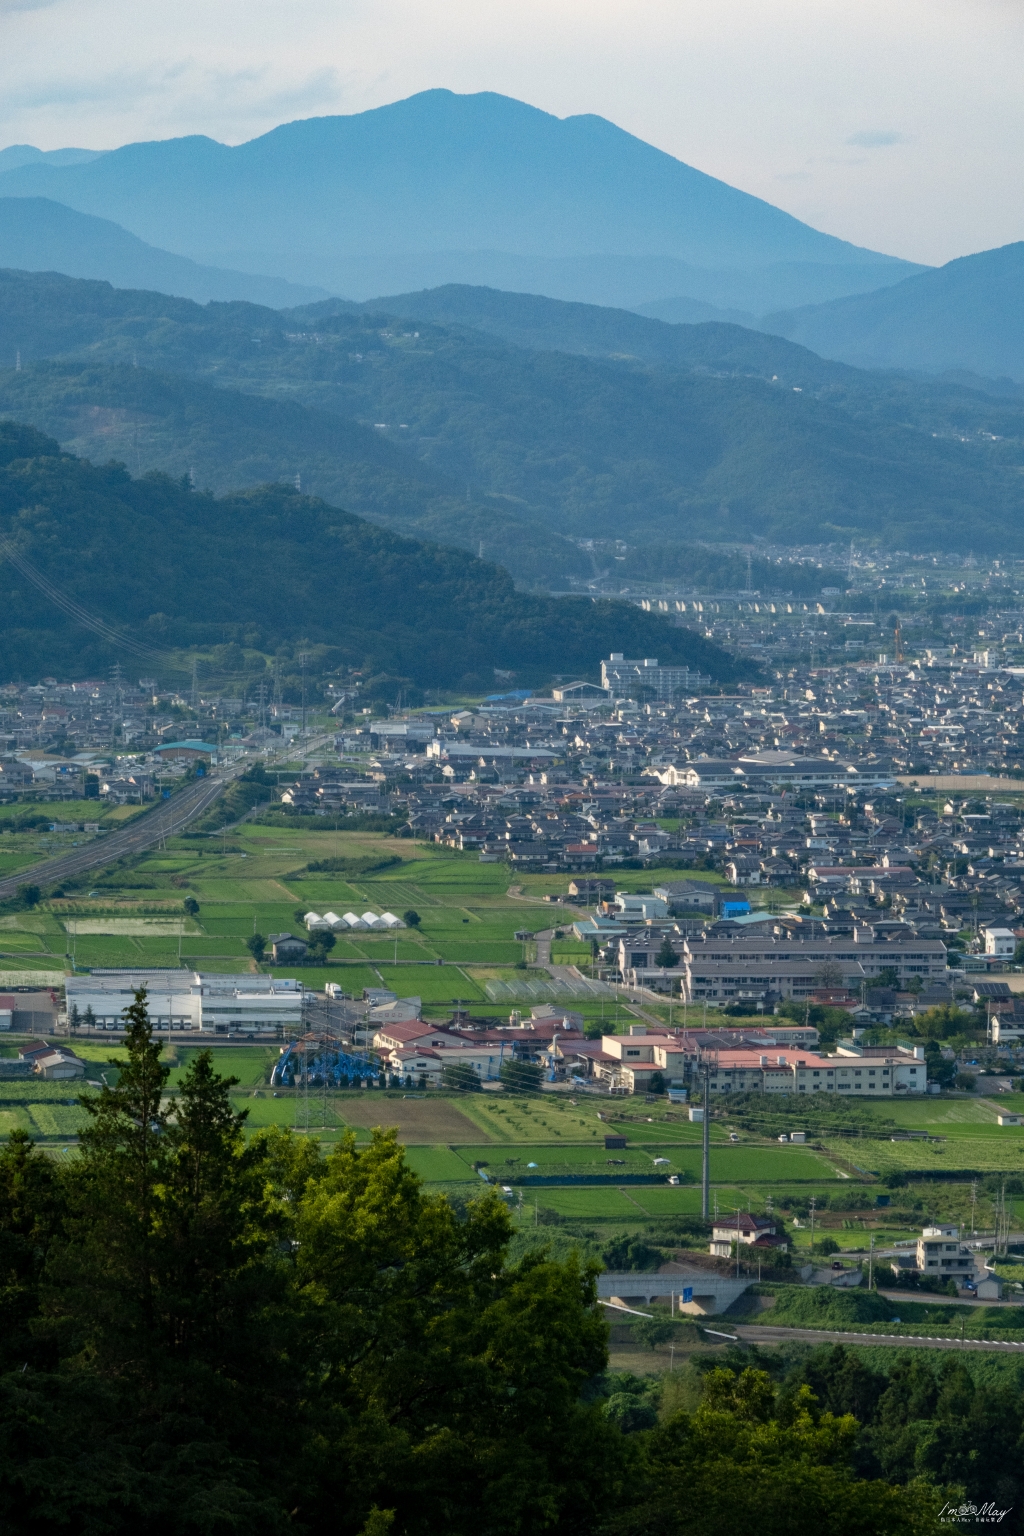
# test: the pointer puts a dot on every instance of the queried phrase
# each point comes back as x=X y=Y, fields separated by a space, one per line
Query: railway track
x=163 y=820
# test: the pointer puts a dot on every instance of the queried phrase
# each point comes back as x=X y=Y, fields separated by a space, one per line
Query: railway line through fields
x=165 y=819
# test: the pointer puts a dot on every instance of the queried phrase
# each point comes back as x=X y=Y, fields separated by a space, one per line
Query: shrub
x=826 y=1307
x=631 y=1253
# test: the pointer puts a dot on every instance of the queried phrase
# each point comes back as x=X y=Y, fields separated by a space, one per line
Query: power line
x=75 y=610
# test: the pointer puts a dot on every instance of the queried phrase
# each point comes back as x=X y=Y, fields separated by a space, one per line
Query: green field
x=257 y=884
x=256 y=881
x=440 y=1164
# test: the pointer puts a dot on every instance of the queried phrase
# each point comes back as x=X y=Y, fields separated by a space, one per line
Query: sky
x=897 y=124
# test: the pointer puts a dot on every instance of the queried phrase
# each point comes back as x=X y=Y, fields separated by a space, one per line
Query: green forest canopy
x=204 y=1335
x=267 y=568
x=723 y=435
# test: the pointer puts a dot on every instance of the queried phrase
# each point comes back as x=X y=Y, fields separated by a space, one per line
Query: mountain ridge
x=39 y=235
x=712 y=433
x=963 y=316
x=441 y=177
x=420 y=613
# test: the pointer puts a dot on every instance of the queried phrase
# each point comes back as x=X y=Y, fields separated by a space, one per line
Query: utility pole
x=117 y=708
x=302 y=662
x=871 y=1263
x=814 y=1201
x=195 y=684
x=705 y=1177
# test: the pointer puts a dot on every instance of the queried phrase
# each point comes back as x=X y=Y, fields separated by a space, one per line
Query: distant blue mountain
x=966 y=318
x=17 y=155
x=37 y=235
x=470 y=189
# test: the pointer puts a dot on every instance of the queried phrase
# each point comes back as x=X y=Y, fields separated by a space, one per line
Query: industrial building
x=203 y=1002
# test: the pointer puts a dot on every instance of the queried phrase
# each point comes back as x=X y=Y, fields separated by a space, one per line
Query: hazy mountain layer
x=38 y=235
x=967 y=316
x=476 y=188
x=660 y=434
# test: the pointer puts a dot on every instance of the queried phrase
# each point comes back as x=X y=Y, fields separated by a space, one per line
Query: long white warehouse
x=202 y=1001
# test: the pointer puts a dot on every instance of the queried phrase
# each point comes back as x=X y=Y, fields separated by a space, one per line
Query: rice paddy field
x=463 y=951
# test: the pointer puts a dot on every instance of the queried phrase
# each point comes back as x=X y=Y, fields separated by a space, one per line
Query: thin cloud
x=877 y=138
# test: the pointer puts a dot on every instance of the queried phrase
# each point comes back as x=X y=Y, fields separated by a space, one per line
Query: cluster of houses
x=780 y=1057
x=39 y=1059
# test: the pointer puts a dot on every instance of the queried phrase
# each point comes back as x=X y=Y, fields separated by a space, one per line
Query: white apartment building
x=756 y=981
x=872 y=1071
x=940 y=1252
x=623 y=677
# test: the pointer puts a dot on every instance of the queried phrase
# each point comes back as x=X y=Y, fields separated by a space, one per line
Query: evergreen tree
x=117 y=1216
x=666 y=956
x=31 y=1205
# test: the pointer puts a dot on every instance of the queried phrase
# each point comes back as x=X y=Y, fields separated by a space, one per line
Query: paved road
x=945 y=1301
x=543 y=941
x=759 y=1333
x=165 y=818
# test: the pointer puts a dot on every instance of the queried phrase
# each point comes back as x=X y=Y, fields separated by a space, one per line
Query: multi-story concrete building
x=629 y=1062
x=940 y=1252
x=755 y=980
x=788 y=967
x=892 y=1071
x=624 y=677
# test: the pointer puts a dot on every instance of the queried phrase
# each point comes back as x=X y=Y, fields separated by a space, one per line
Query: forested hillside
x=729 y=437
x=268 y=569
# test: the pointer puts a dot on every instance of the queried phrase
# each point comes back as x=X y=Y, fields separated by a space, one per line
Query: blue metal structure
x=318 y=1061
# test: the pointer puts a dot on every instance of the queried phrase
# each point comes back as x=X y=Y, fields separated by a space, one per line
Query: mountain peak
x=442 y=187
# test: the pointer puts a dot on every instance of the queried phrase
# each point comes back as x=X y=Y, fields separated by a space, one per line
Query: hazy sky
x=898 y=124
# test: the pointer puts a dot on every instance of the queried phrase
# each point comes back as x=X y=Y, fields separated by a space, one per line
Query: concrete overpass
x=711 y=1292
